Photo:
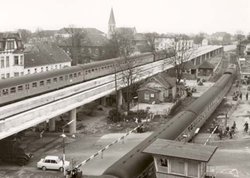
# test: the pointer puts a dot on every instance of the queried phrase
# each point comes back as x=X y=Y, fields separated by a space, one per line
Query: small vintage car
x=53 y=163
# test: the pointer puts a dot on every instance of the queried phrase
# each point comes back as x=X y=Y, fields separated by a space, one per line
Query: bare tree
x=74 y=42
x=150 y=37
x=25 y=35
x=182 y=53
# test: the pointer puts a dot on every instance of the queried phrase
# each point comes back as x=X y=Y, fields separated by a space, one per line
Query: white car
x=52 y=162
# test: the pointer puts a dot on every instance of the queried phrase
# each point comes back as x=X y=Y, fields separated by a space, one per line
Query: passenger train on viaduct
x=29 y=85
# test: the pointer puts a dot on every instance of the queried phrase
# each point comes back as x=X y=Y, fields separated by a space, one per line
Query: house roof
x=165 y=80
x=159 y=80
x=91 y=37
x=206 y=65
x=148 y=88
x=189 y=65
x=44 y=53
x=10 y=35
x=181 y=150
x=126 y=30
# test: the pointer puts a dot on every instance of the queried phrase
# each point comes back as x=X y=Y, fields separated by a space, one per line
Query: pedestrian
x=234 y=125
x=231 y=134
x=240 y=95
x=227 y=130
x=246 y=127
x=247 y=96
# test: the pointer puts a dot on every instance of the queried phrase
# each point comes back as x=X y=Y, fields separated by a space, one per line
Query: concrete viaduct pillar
x=72 y=117
x=52 y=124
x=119 y=99
x=104 y=101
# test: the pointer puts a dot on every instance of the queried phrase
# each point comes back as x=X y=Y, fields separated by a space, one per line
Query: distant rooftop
x=176 y=149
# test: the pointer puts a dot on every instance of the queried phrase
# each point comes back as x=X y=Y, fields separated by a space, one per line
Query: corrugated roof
x=181 y=150
x=206 y=65
x=44 y=53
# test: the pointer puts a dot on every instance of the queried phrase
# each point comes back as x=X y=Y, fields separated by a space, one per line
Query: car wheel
x=61 y=169
x=44 y=168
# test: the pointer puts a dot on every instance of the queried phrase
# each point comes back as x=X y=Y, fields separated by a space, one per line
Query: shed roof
x=206 y=65
x=181 y=150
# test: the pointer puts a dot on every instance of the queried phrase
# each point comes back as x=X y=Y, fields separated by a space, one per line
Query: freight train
x=182 y=127
x=14 y=89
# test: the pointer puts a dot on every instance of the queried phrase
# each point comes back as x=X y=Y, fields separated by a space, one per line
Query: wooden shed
x=174 y=159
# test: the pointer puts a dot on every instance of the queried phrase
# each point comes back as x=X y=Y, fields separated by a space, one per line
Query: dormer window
x=10 y=44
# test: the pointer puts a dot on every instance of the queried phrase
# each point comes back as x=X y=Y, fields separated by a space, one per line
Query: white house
x=11 y=55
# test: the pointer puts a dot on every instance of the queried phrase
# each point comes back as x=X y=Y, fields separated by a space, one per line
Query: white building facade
x=11 y=55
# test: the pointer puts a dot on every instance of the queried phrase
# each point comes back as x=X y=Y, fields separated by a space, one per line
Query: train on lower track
x=183 y=126
x=14 y=89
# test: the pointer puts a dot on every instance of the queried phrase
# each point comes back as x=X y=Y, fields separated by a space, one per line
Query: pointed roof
x=112 y=17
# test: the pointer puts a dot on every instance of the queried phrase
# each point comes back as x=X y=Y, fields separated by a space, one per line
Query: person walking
x=247 y=96
x=246 y=127
x=240 y=95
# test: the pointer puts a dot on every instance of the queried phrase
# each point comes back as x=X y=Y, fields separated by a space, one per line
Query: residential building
x=158 y=89
x=164 y=42
x=83 y=44
x=11 y=55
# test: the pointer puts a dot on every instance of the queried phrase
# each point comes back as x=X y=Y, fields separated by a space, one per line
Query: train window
x=41 y=83
x=70 y=76
x=49 y=81
x=27 y=86
x=66 y=77
x=75 y=75
x=55 y=80
x=61 y=78
x=34 y=85
x=20 y=88
x=13 y=90
x=5 y=91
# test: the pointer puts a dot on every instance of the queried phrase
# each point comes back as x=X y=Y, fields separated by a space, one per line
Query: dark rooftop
x=206 y=65
x=181 y=150
x=44 y=53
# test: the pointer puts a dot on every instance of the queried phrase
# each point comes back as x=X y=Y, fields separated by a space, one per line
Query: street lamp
x=63 y=136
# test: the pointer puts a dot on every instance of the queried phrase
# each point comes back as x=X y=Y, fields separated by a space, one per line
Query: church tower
x=111 y=25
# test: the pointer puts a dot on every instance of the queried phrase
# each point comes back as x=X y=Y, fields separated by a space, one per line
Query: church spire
x=112 y=18
x=111 y=25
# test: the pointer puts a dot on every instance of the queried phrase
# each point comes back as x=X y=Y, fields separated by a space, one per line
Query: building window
x=7 y=61
x=152 y=95
x=34 y=85
x=2 y=63
x=146 y=96
x=7 y=75
x=10 y=45
x=2 y=76
x=16 y=60
x=21 y=60
x=16 y=74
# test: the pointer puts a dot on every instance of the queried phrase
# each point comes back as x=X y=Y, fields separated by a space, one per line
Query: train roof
x=36 y=77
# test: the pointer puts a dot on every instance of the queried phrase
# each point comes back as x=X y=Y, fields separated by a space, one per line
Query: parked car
x=52 y=162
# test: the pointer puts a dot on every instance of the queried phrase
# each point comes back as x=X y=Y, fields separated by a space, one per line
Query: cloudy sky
x=179 y=16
